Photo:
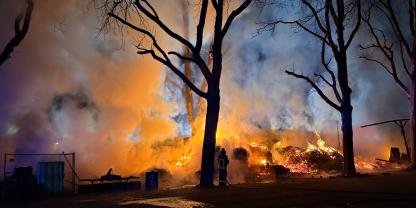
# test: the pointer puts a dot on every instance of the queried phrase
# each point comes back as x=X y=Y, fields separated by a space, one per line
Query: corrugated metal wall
x=51 y=176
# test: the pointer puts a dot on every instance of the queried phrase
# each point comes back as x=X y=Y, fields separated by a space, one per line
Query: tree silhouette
x=122 y=11
x=20 y=31
x=326 y=21
x=395 y=59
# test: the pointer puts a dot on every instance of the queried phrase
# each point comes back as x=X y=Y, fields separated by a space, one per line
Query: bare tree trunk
x=412 y=104
x=188 y=94
x=347 y=140
x=346 y=114
x=208 y=148
x=213 y=102
x=412 y=111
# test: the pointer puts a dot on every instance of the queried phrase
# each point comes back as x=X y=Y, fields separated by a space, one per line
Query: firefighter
x=222 y=170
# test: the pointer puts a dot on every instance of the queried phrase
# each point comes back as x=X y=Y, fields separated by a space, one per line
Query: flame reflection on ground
x=172 y=202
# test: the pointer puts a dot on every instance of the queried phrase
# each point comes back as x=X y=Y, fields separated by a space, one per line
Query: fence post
x=73 y=173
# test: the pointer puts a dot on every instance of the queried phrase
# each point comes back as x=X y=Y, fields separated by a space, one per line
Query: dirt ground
x=396 y=189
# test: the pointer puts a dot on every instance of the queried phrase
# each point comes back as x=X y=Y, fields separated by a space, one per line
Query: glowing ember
x=255 y=145
x=183 y=160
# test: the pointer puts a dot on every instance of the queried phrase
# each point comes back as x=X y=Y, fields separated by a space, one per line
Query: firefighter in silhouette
x=222 y=170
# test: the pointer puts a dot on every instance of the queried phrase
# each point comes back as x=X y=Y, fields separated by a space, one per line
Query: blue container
x=152 y=181
x=50 y=175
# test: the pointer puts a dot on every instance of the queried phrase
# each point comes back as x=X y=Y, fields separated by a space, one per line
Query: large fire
x=262 y=157
x=320 y=145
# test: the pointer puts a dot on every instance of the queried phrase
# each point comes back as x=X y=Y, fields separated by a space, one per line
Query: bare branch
x=157 y=21
x=214 y=4
x=394 y=22
x=323 y=78
x=143 y=51
x=141 y=30
x=195 y=52
x=200 y=26
x=328 y=28
x=272 y=25
x=233 y=15
x=392 y=72
x=179 y=74
x=331 y=73
x=378 y=62
x=315 y=14
x=318 y=90
x=365 y=47
x=384 y=48
x=411 y=18
x=165 y=60
x=332 y=10
x=357 y=25
x=20 y=32
x=404 y=61
x=185 y=58
x=151 y=8
x=387 y=51
x=186 y=80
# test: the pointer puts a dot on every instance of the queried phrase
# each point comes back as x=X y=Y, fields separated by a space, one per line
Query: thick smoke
x=67 y=88
x=70 y=88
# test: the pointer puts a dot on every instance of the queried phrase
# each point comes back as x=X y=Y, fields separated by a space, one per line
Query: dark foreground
x=393 y=190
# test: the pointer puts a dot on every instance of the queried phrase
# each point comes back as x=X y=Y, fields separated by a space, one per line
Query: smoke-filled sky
x=69 y=87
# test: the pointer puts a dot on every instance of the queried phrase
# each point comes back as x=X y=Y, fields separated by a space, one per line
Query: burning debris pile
x=269 y=156
x=313 y=159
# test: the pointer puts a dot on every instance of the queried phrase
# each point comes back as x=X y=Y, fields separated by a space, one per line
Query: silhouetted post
x=73 y=173
x=402 y=124
x=3 y=192
x=339 y=142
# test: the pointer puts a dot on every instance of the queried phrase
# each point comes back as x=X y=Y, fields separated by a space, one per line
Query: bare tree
x=326 y=21
x=20 y=31
x=124 y=11
x=193 y=107
x=396 y=59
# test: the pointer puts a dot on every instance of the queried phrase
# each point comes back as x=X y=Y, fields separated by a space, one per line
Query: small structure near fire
x=48 y=178
x=21 y=184
x=396 y=156
x=109 y=183
x=110 y=175
x=394 y=151
x=152 y=181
